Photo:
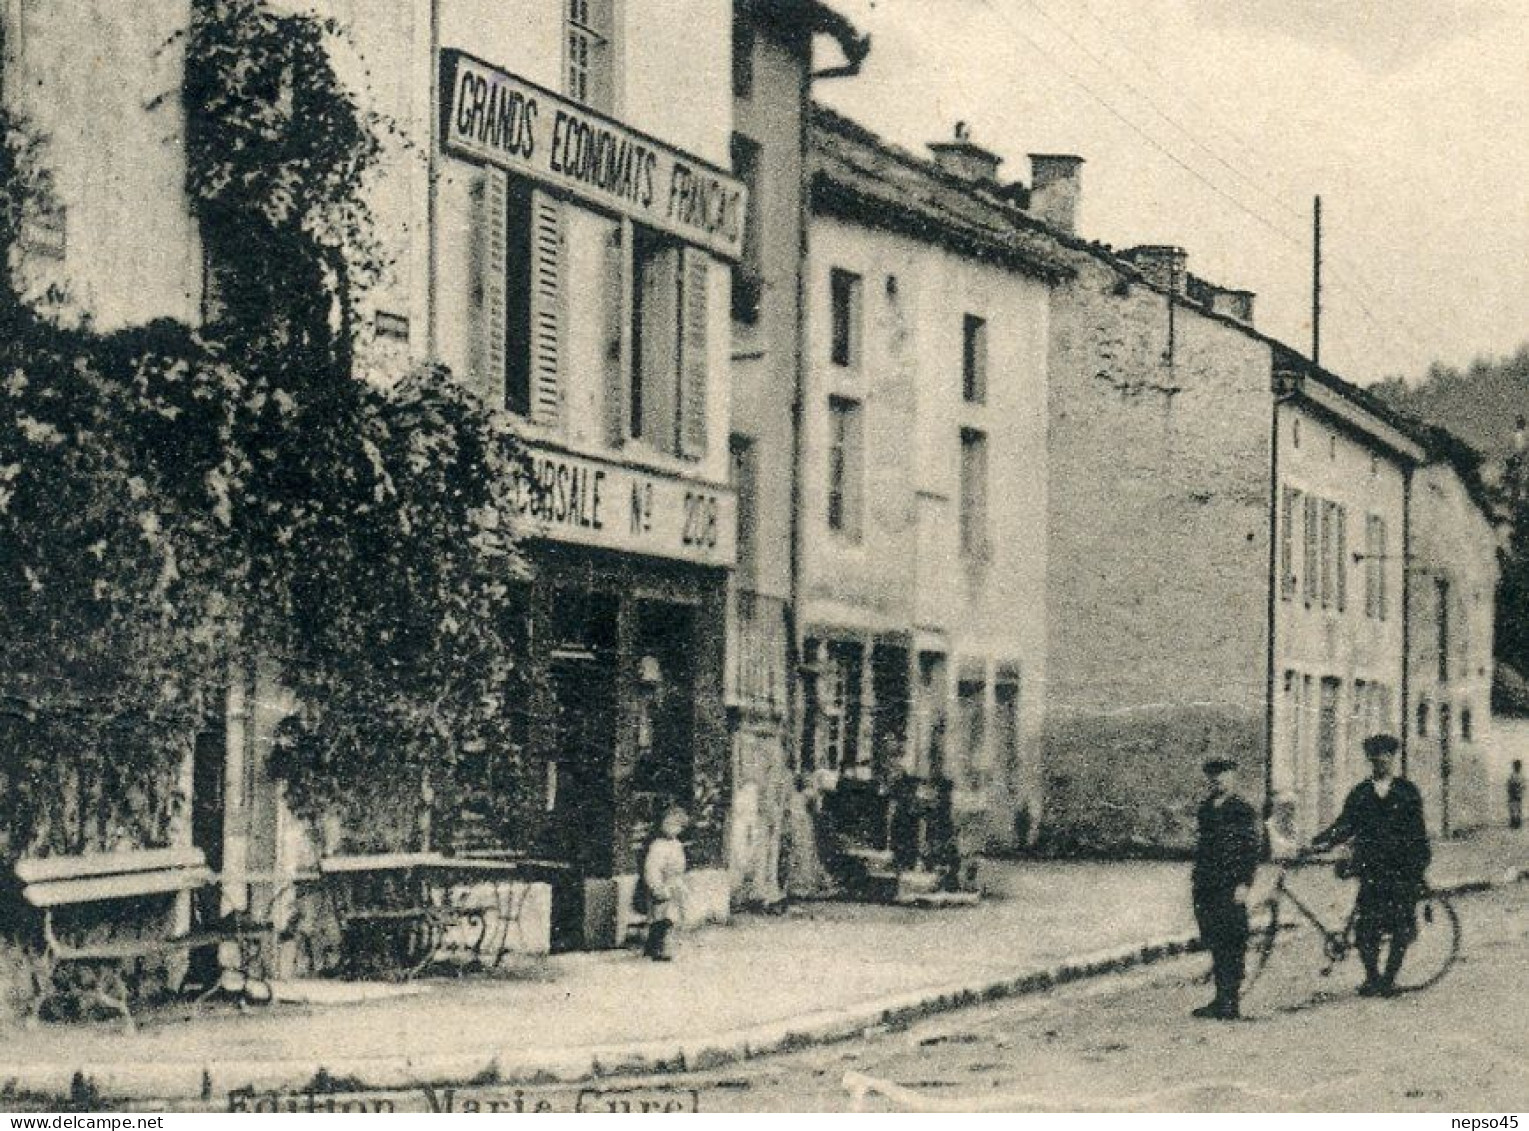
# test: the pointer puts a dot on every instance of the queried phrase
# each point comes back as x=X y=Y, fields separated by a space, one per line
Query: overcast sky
x=1213 y=123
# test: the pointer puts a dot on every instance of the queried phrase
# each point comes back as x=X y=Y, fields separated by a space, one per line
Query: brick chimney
x=1056 y=185
x=1164 y=265
x=966 y=159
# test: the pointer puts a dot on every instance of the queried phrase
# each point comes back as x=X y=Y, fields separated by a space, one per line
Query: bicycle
x=1429 y=957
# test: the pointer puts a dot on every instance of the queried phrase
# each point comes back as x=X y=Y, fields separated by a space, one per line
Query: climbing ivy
x=180 y=504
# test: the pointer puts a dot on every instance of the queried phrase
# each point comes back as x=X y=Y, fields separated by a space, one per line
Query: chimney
x=1056 y=185
x=966 y=159
x=1237 y=305
x=1163 y=265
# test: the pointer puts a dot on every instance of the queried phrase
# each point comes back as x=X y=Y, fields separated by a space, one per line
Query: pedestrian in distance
x=1383 y=818
x=1225 y=864
x=1516 y=795
x=663 y=877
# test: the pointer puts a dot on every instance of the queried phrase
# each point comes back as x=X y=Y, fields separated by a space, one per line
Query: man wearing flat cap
x=1226 y=859
x=1383 y=817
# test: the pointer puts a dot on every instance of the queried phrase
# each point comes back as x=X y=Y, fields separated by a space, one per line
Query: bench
x=59 y=884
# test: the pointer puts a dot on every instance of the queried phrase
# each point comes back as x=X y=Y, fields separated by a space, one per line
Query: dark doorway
x=664 y=768
x=209 y=806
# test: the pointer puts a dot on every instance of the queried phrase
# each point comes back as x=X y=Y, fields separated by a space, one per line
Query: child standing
x=663 y=873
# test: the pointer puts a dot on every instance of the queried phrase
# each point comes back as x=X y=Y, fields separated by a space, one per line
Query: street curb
x=214 y=1080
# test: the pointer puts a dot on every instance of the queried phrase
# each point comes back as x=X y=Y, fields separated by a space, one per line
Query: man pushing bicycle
x=1383 y=817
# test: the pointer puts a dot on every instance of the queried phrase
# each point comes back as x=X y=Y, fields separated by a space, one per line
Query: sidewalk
x=821 y=971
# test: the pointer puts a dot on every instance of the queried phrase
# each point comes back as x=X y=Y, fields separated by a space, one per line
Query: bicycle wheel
x=1436 y=946
x=1262 y=939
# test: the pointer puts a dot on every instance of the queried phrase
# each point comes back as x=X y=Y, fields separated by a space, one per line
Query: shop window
x=1006 y=729
x=845 y=459
x=748 y=272
x=929 y=751
x=971 y=701
x=589 y=53
x=973 y=514
x=841 y=705
x=974 y=359
x=844 y=294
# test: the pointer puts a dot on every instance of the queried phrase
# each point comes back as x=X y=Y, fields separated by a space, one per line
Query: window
x=1327 y=543
x=1340 y=556
x=1288 y=580
x=743 y=56
x=844 y=290
x=929 y=751
x=844 y=466
x=973 y=515
x=748 y=273
x=974 y=360
x=1006 y=727
x=1423 y=717
x=590 y=69
x=743 y=476
x=1466 y=726
x=1375 y=567
x=841 y=706
x=666 y=402
x=971 y=700
x=1310 y=565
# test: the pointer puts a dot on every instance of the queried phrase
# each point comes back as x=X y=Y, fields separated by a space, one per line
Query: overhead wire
x=1274 y=227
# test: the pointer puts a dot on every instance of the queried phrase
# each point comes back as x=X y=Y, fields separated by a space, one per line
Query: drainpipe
x=1406 y=609
x=1272 y=610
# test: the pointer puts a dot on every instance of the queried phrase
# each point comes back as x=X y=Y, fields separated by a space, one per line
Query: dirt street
x=1309 y=1043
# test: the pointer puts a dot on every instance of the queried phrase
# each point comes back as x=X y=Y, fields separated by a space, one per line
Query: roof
x=814 y=17
x=858 y=177
x=863 y=177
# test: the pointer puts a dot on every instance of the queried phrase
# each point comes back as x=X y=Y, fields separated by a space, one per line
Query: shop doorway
x=664 y=767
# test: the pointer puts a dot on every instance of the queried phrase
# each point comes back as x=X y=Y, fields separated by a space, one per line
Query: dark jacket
x=1390 y=839
x=1227 y=852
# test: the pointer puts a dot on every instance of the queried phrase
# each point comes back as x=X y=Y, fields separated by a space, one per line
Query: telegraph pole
x=1316 y=281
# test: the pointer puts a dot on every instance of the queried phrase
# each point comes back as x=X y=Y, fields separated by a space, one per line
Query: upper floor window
x=1441 y=591
x=748 y=274
x=974 y=360
x=844 y=466
x=973 y=515
x=1290 y=499
x=844 y=298
x=1375 y=567
x=589 y=73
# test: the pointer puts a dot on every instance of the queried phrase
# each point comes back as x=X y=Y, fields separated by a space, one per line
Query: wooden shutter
x=490 y=194
x=694 y=369
x=547 y=270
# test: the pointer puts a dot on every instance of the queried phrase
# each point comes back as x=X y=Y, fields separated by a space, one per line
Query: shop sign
x=571 y=498
x=489 y=115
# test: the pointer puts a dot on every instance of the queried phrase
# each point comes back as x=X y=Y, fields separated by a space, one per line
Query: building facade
x=1454 y=568
x=924 y=483
x=772 y=78
x=1343 y=477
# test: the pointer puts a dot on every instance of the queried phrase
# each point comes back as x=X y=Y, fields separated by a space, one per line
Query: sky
x=1213 y=123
